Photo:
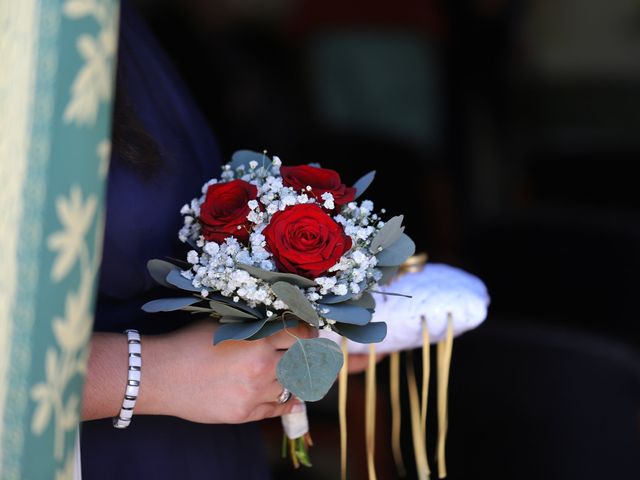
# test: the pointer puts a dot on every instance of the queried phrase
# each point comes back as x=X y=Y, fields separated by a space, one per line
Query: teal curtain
x=57 y=64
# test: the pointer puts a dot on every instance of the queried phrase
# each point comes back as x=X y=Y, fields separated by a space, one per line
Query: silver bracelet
x=133 y=380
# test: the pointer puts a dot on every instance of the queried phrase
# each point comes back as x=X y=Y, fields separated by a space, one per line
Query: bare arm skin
x=184 y=375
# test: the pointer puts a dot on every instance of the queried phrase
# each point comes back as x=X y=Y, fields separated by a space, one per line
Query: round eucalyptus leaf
x=240 y=305
x=169 y=304
x=273 y=326
x=159 y=269
x=346 y=314
x=232 y=319
x=387 y=235
x=388 y=274
x=331 y=298
x=273 y=277
x=373 y=332
x=309 y=368
x=241 y=158
x=177 y=280
x=397 y=253
x=237 y=330
x=297 y=302
x=366 y=300
x=225 y=309
x=363 y=183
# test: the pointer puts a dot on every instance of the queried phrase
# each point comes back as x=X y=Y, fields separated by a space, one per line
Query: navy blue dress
x=142 y=223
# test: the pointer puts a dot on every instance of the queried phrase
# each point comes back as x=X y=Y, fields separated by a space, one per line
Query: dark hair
x=131 y=143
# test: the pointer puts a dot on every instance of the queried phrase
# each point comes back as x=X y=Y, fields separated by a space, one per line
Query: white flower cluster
x=215 y=266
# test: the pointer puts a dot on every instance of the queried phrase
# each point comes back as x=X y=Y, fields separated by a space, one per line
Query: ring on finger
x=284 y=396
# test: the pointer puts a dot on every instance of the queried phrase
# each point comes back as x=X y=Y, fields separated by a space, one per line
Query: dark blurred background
x=505 y=131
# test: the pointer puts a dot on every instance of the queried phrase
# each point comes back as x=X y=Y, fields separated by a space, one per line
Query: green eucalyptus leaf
x=273 y=277
x=315 y=164
x=237 y=330
x=387 y=235
x=309 y=368
x=159 y=269
x=297 y=302
x=366 y=300
x=346 y=314
x=169 y=304
x=177 y=280
x=181 y=264
x=397 y=253
x=227 y=310
x=373 y=332
x=241 y=158
x=198 y=310
x=232 y=319
x=274 y=326
x=388 y=274
x=364 y=182
x=331 y=298
x=237 y=305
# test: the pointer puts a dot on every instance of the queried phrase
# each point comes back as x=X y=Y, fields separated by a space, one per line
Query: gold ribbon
x=426 y=371
x=396 y=415
x=419 y=446
x=342 y=408
x=370 y=411
x=445 y=348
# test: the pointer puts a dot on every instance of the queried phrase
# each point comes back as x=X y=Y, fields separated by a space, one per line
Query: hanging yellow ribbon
x=419 y=447
x=396 y=409
x=426 y=371
x=370 y=411
x=342 y=408
x=444 y=351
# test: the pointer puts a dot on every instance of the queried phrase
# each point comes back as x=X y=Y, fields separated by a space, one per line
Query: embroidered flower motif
x=76 y=215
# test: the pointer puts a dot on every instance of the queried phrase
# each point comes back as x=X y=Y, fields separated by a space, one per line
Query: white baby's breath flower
x=287 y=200
x=192 y=257
x=366 y=205
x=328 y=201
x=279 y=305
x=211 y=248
x=340 y=289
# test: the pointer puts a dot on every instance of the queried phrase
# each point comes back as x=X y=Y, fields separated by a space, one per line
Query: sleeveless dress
x=142 y=223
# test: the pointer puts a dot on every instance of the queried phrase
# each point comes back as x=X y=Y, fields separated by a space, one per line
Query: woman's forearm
x=106 y=378
x=184 y=375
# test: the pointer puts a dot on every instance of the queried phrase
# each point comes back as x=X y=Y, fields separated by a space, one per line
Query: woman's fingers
x=270 y=392
x=269 y=410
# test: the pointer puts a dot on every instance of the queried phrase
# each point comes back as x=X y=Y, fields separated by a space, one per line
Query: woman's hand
x=185 y=375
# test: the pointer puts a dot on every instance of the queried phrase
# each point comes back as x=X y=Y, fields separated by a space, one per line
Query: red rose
x=305 y=240
x=225 y=209
x=320 y=180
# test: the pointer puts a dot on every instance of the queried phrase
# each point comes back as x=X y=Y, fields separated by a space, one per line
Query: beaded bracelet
x=133 y=380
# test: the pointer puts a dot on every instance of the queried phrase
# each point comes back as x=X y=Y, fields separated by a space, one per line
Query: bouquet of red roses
x=274 y=245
